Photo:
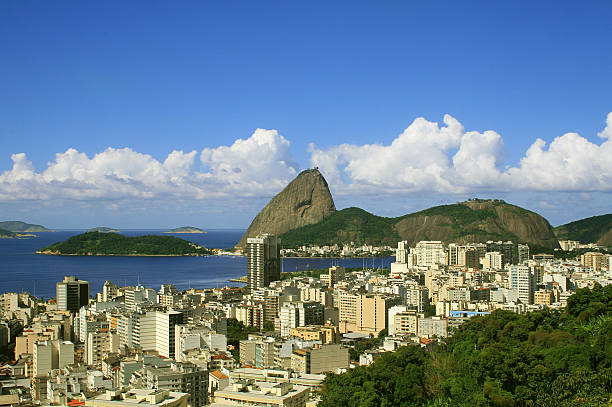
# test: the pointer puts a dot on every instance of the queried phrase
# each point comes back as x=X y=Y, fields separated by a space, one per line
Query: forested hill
x=347 y=225
x=544 y=358
x=113 y=244
x=596 y=229
x=464 y=222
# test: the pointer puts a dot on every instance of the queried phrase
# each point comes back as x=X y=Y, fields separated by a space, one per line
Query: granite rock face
x=305 y=201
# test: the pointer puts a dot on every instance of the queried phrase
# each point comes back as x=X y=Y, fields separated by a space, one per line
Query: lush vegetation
x=236 y=332
x=465 y=221
x=17 y=226
x=588 y=230
x=545 y=358
x=113 y=244
x=347 y=225
x=460 y=221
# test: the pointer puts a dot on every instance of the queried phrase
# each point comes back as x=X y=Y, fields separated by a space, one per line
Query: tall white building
x=493 y=261
x=523 y=280
x=294 y=314
x=430 y=253
x=49 y=355
x=157 y=331
x=263 y=261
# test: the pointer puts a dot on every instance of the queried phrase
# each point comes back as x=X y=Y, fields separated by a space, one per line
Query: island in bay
x=185 y=229
x=103 y=229
x=7 y=234
x=17 y=226
x=114 y=244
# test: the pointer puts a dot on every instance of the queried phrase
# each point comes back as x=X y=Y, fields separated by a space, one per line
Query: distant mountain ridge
x=304 y=213
x=18 y=226
x=595 y=229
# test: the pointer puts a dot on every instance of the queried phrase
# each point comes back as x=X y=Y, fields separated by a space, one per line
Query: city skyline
x=133 y=117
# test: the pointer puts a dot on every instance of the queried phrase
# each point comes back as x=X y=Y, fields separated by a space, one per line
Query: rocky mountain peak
x=305 y=201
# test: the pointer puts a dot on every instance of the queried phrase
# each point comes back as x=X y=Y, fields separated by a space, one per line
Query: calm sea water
x=23 y=270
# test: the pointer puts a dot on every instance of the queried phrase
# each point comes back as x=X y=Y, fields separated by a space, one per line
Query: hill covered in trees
x=544 y=358
x=464 y=222
x=113 y=244
x=596 y=229
x=346 y=225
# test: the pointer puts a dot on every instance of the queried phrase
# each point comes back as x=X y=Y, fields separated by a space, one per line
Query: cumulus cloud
x=447 y=159
x=255 y=166
x=427 y=156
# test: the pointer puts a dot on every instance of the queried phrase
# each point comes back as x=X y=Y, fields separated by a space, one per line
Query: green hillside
x=463 y=222
x=546 y=358
x=113 y=244
x=346 y=225
x=588 y=230
x=18 y=226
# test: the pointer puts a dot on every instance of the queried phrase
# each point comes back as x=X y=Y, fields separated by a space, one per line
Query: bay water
x=21 y=269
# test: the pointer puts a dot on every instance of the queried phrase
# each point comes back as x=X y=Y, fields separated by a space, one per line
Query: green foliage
x=350 y=224
x=359 y=226
x=363 y=345
x=236 y=331
x=465 y=221
x=588 y=230
x=97 y=243
x=544 y=358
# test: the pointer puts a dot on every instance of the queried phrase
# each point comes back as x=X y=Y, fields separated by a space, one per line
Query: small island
x=22 y=227
x=7 y=234
x=113 y=244
x=103 y=229
x=186 y=229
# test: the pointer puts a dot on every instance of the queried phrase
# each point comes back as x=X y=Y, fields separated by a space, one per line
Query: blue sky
x=333 y=84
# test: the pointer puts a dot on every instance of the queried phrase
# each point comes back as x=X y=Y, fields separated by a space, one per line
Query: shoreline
x=123 y=255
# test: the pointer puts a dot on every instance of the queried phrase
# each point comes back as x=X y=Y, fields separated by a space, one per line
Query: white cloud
x=427 y=156
x=447 y=159
x=255 y=166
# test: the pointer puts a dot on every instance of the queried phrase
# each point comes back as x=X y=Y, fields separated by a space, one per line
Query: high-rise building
x=430 y=253
x=72 y=294
x=523 y=253
x=507 y=249
x=371 y=312
x=263 y=261
x=594 y=260
x=157 y=331
x=49 y=355
x=294 y=314
x=522 y=279
x=493 y=261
